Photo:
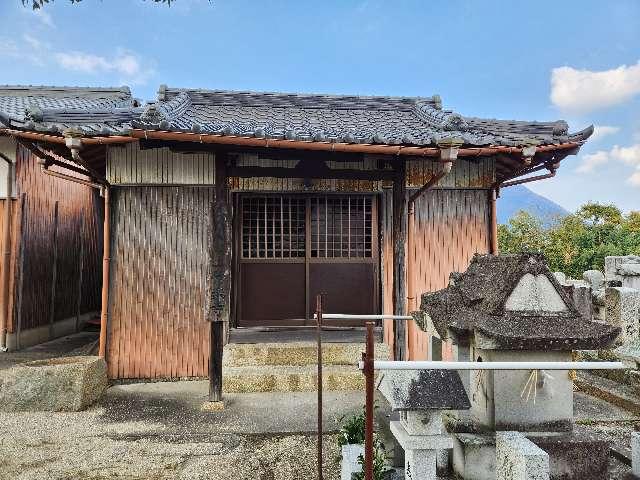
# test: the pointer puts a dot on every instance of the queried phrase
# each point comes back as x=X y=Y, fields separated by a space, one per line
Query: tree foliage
x=577 y=242
x=36 y=4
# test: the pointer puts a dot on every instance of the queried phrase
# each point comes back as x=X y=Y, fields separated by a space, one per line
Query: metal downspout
x=6 y=257
x=447 y=156
x=74 y=142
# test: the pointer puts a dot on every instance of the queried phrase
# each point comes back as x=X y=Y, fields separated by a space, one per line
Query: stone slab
x=635 y=453
x=419 y=442
x=58 y=384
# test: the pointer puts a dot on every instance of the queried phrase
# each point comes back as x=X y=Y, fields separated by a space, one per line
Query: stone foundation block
x=68 y=384
x=518 y=458
x=420 y=464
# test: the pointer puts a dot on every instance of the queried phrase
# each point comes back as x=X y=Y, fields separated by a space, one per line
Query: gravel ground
x=36 y=446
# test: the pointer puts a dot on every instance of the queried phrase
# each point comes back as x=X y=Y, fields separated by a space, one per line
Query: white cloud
x=626 y=155
x=126 y=64
x=581 y=91
x=601 y=131
x=592 y=160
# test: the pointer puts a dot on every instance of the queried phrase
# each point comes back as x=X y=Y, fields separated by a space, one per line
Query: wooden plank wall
x=157 y=327
x=77 y=205
x=450 y=227
x=12 y=265
x=128 y=165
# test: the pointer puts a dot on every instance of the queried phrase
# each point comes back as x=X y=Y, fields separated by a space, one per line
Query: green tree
x=576 y=242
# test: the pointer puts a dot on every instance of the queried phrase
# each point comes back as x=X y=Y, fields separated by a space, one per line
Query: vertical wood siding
x=157 y=325
x=129 y=165
x=450 y=227
x=79 y=223
x=15 y=214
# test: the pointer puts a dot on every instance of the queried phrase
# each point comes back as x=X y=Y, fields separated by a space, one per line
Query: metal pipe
x=69 y=178
x=106 y=260
x=344 y=316
x=551 y=174
x=368 y=369
x=319 y=342
x=6 y=256
x=427 y=365
x=43 y=137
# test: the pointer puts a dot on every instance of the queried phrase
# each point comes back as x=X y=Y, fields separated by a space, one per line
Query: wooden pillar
x=399 y=258
x=220 y=275
x=493 y=222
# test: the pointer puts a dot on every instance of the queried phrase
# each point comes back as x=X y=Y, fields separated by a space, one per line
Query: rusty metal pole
x=106 y=259
x=369 y=401
x=319 y=335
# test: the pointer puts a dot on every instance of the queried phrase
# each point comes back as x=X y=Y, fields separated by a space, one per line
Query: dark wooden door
x=295 y=246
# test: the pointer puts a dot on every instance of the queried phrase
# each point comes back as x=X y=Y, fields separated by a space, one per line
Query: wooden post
x=54 y=271
x=493 y=222
x=21 y=236
x=106 y=263
x=399 y=257
x=220 y=276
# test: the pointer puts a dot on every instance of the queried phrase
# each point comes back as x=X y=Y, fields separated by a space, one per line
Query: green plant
x=352 y=430
x=380 y=467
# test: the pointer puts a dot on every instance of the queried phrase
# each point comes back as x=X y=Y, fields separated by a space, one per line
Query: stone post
x=635 y=453
x=518 y=458
x=623 y=310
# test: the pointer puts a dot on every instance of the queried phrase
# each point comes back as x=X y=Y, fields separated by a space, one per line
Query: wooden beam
x=220 y=276
x=276 y=172
x=399 y=258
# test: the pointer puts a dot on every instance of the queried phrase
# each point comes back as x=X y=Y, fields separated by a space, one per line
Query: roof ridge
x=259 y=98
x=13 y=90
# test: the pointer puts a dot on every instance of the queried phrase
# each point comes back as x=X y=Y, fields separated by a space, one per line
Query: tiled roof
x=474 y=303
x=415 y=121
x=95 y=111
x=418 y=121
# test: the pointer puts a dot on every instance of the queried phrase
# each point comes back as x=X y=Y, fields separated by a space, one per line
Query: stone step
x=290 y=378
x=613 y=392
x=299 y=353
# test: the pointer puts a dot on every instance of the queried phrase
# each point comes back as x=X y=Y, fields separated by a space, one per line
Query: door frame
x=375 y=259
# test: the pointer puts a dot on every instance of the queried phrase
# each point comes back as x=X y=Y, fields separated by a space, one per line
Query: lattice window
x=341 y=227
x=273 y=227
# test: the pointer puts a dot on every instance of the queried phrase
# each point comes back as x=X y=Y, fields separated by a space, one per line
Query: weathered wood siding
x=37 y=299
x=15 y=214
x=451 y=225
x=157 y=326
x=129 y=165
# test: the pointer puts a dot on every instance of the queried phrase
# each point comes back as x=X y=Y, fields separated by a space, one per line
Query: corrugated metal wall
x=157 y=327
x=451 y=225
x=79 y=229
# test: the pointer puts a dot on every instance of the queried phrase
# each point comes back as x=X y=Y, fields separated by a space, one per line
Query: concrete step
x=299 y=353
x=290 y=378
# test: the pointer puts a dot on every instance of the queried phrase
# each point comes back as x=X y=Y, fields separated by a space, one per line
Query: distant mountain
x=519 y=197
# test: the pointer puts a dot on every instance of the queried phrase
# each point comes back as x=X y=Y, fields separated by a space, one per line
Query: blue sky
x=541 y=60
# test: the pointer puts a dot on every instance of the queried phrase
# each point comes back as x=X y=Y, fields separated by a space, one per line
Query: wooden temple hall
x=229 y=210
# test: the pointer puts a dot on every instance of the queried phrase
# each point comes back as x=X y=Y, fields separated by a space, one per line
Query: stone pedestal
x=518 y=458
x=420 y=451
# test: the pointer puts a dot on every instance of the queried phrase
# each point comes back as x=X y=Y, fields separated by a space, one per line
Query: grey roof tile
x=417 y=121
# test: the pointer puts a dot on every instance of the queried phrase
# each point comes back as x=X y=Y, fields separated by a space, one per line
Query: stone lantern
x=420 y=397
x=511 y=308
